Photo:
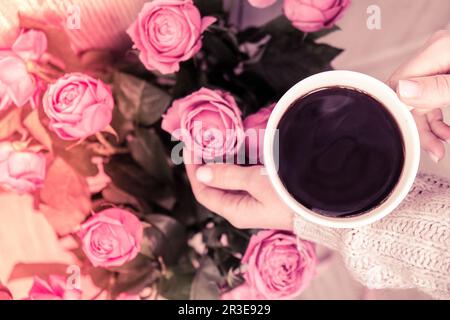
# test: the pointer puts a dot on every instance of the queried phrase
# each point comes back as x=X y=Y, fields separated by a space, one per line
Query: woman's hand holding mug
x=242 y=195
x=423 y=83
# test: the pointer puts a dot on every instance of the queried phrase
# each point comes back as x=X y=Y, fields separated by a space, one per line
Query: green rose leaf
x=130 y=177
x=138 y=100
x=176 y=283
x=148 y=151
x=135 y=275
x=78 y=156
x=288 y=57
x=322 y=33
x=210 y=7
x=282 y=69
x=164 y=238
x=221 y=50
x=277 y=26
x=187 y=80
x=114 y=195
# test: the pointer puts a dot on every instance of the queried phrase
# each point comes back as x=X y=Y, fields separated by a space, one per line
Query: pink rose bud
x=57 y=288
x=21 y=171
x=255 y=125
x=208 y=122
x=5 y=294
x=167 y=33
x=262 y=3
x=78 y=106
x=111 y=237
x=310 y=16
x=17 y=85
x=279 y=266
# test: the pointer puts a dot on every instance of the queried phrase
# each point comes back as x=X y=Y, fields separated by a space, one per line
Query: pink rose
x=255 y=125
x=261 y=3
x=17 y=85
x=111 y=237
x=21 y=171
x=55 y=289
x=279 y=266
x=78 y=106
x=5 y=294
x=168 y=32
x=310 y=15
x=208 y=122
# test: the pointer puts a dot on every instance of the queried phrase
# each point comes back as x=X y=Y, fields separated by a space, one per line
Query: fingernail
x=408 y=89
x=204 y=174
x=433 y=157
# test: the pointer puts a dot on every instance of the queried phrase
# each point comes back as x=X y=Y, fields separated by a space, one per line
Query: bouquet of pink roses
x=95 y=139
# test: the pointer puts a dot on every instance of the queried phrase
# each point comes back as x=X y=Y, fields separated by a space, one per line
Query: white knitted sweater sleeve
x=410 y=248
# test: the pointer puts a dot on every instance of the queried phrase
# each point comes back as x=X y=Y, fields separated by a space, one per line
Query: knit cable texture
x=409 y=248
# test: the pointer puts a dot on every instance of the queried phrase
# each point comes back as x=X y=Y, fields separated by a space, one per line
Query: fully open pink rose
x=168 y=32
x=111 y=237
x=310 y=15
x=17 y=85
x=5 y=294
x=57 y=288
x=78 y=106
x=279 y=266
x=21 y=170
x=261 y=3
x=208 y=122
x=255 y=125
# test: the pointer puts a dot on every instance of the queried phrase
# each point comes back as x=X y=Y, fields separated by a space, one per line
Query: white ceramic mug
x=391 y=102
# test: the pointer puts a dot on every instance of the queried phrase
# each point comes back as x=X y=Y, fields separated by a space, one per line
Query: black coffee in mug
x=341 y=152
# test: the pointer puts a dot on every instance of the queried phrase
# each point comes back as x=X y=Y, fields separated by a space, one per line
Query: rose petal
x=30 y=45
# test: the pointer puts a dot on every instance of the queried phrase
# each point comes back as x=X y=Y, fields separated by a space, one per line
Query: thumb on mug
x=425 y=92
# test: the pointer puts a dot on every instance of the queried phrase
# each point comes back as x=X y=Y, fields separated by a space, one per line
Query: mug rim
x=399 y=111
